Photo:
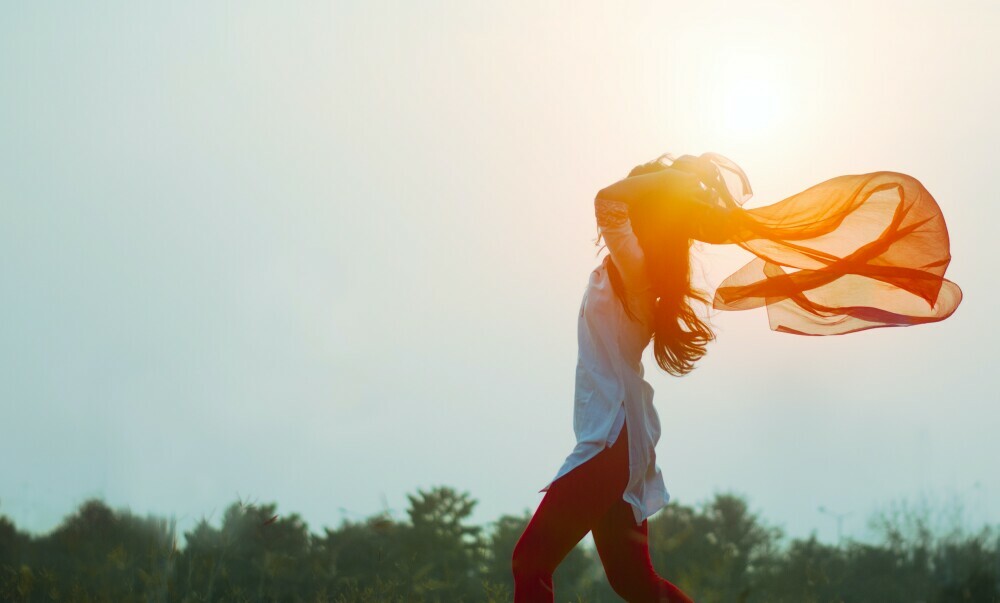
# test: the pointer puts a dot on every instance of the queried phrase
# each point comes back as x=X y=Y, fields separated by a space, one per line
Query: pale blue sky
x=330 y=253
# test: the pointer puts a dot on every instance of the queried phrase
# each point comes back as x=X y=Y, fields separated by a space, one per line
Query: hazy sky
x=325 y=254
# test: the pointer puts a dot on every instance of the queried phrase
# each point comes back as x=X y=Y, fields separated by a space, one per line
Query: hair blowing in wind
x=680 y=336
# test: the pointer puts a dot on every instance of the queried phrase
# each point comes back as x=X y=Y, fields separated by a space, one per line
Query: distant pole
x=840 y=522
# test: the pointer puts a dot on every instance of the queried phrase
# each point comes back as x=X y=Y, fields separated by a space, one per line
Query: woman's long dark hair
x=680 y=336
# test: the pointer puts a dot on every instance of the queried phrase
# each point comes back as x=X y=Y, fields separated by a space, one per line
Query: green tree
x=444 y=554
x=713 y=554
x=257 y=555
x=502 y=539
x=362 y=555
x=101 y=554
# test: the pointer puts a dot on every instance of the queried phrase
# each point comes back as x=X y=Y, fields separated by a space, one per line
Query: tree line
x=718 y=552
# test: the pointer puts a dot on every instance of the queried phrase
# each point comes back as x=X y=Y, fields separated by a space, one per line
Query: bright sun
x=754 y=95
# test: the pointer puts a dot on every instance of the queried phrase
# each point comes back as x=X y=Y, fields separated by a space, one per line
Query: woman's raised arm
x=663 y=186
x=616 y=230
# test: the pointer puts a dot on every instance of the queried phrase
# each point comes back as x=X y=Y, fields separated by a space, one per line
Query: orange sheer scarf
x=852 y=253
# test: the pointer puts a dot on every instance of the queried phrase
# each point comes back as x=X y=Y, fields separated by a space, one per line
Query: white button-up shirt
x=610 y=388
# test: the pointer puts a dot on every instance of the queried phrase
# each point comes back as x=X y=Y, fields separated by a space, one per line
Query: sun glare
x=754 y=95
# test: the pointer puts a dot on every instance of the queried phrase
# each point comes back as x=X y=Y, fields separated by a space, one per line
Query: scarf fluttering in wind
x=852 y=253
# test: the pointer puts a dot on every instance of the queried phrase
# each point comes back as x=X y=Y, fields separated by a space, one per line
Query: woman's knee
x=635 y=587
x=646 y=587
x=624 y=588
x=534 y=559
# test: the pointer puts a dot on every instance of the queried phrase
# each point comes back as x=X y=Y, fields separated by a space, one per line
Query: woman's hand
x=649 y=167
x=656 y=183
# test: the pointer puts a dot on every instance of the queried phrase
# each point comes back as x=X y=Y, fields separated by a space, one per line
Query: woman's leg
x=624 y=550
x=570 y=508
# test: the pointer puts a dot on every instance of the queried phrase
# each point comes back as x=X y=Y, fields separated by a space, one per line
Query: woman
x=864 y=251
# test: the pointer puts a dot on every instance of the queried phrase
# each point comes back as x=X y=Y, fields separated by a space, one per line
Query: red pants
x=589 y=499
